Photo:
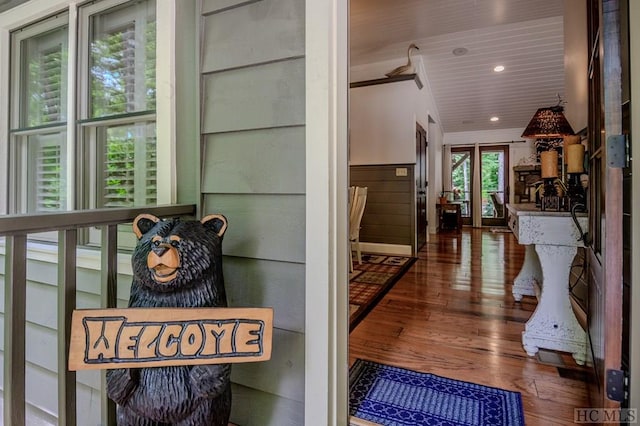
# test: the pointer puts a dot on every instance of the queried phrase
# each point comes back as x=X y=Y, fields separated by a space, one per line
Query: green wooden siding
x=270 y=171
x=264 y=96
x=265 y=283
x=253 y=172
x=275 y=31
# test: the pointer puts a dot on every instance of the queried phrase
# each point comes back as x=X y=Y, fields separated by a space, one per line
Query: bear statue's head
x=174 y=253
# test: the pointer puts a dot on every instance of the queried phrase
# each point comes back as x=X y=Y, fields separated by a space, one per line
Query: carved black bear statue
x=175 y=264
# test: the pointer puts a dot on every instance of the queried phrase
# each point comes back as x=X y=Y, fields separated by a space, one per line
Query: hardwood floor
x=453 y=314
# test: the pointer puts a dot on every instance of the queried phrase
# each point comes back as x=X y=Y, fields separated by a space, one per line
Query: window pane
x=461 y=175
x=129 y=166
x=44 y=70
x=493 y=178
x=123 y=60
x=46 y=172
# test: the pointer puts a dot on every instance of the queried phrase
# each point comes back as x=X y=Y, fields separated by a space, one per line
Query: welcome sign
x=153 y=337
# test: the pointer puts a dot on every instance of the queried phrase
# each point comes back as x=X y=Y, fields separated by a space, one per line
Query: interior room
x=447 y=136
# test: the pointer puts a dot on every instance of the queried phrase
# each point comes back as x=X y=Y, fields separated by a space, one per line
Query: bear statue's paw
x=121 y=383
x=210 y=381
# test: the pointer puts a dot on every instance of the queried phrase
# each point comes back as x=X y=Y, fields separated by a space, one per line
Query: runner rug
x=386 y=395
x=371 y=280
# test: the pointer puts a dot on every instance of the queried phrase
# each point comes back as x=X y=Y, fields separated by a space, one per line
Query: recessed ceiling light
x=459 y=51
x=494 y=118
x=498 y=68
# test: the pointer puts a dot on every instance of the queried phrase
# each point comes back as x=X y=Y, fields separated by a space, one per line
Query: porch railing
x=16 y=229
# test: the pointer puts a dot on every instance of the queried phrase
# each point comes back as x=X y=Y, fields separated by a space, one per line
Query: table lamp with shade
x=549 y=124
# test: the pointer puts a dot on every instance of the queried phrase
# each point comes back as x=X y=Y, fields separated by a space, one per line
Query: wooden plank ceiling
x=524 y=36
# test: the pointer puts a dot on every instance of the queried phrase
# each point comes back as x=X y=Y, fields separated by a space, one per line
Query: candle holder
x=550 y=199
x=576 y=193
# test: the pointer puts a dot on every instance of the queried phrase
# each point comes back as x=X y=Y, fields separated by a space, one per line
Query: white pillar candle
x=575 y=158
x=549 y=160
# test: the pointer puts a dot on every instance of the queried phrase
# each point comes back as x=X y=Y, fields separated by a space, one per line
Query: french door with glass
x=492 y=188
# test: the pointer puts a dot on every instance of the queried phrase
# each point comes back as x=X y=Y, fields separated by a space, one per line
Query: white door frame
x=326 y=275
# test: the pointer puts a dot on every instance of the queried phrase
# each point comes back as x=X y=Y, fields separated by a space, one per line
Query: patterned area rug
x=395 y=396
x=371 y=280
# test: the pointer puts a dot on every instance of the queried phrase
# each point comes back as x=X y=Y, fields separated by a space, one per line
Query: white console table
x=551 y=240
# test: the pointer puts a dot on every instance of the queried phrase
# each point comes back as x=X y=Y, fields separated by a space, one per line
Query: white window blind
x=46 y=177
x=129 y=165
x=44 y=94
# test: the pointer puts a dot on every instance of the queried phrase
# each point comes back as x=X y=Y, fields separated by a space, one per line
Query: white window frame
x=37 y=10
x=18 y=199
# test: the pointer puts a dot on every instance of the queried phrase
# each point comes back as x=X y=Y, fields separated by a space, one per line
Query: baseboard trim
x=381 y=248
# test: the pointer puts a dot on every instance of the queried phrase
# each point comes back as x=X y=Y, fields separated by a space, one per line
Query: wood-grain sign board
x=154 y=337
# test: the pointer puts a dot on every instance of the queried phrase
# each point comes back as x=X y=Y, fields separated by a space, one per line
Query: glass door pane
x=462 y=180
x=494 y=162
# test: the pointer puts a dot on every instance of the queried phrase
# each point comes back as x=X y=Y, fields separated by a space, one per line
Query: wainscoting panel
x=389 y=215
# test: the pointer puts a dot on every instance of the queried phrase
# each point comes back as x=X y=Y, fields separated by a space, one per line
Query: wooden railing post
x=67 y=242
x=109 y=295
x=14 y=329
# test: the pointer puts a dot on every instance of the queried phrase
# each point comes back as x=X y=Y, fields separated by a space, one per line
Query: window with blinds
x=121 y=103
x=110 y=158
x=38 y=122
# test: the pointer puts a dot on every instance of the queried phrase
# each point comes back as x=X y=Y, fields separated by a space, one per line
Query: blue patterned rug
x=395 y=396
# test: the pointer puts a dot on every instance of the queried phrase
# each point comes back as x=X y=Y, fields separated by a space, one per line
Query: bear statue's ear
x=216 y=222
x=143 y=224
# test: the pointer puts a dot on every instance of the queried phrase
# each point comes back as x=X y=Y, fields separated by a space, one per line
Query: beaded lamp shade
x=548 y=122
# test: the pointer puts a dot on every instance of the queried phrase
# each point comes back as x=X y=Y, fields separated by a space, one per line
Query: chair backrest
x=358 y=202
x=498 y=205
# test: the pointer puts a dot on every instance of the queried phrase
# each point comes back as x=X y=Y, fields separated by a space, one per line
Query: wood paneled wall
x=389 y=215
x=253 y=172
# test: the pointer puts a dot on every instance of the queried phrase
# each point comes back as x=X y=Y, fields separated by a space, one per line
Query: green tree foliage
x=491 y=163
x=461 y=175
x=115 y=60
